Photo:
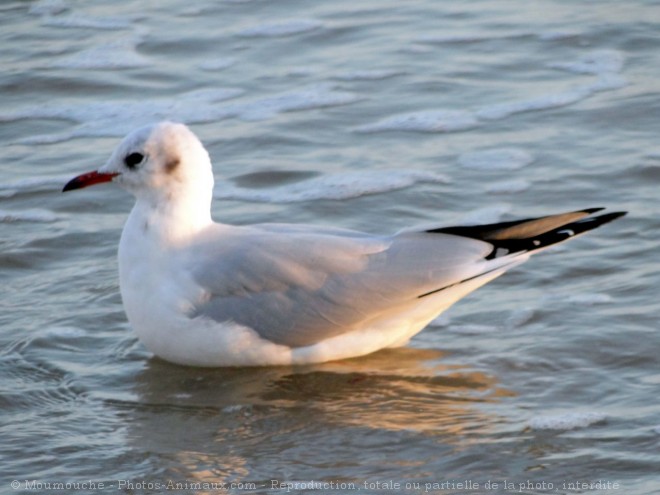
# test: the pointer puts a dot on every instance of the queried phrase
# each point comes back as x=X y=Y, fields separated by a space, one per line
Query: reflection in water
x=223 y=424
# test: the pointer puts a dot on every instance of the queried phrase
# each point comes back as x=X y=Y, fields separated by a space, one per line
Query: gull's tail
x=532 y=234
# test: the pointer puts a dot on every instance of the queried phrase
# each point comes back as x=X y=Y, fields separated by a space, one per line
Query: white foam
x=565 y=421
x=460 y=120
x=117 y=118
x=479 y=37
x=64 y=332
x=607 y=82
x=368 y=75
x=604 y=64
x=118 y=54
x=307 y=98
x=79 y=21
x=596 y=62
x=558 y=35
x=498 y=111
x=508 y=187
x=415 y=49
x=194 y=11
x=32 y=215
x=467 y=37
x=496 y=159
x=216 y=64
x=300 y=71
x=182 y=396
x=333 y=186
x=233 y=408
x=281 y=28
x=520 y=317
x=473 y=329
x=209 y=95
x=425 y=121
x=48 y=7
x=590 y=299
x=35 y=184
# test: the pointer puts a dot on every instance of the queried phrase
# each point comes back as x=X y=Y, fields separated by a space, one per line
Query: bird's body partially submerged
x=207 y=294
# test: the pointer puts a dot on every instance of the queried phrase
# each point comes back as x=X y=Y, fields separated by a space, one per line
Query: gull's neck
x=170 y=219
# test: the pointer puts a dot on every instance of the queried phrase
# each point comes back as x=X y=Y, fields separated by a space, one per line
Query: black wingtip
x=599 y=220
x=617 y=214
x=513 y=244
x=564 y=232
x=503 y=247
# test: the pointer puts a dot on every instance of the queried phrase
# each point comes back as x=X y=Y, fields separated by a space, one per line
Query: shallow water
x=375 y=115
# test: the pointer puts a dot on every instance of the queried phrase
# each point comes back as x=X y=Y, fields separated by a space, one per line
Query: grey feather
x=297 y=288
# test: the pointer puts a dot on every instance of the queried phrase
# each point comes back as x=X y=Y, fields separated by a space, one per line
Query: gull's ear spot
x=133 y=160
x=172 y=165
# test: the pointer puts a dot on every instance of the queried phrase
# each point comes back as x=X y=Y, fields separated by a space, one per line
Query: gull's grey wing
x=297 y=288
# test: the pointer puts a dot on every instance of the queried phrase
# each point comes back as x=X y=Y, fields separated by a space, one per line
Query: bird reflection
x=216 y=423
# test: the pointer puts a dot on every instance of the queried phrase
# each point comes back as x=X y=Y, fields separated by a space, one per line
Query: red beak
x=88 y=179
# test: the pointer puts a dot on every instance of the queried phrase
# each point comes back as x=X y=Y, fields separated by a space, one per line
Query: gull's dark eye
x=133 y=160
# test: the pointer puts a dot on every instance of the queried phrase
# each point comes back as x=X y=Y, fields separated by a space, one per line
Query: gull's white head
x=161 y=162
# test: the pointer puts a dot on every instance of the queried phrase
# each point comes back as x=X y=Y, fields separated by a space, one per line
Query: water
x=375 y=115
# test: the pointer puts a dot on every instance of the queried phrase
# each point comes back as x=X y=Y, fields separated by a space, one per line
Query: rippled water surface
x=374 y=115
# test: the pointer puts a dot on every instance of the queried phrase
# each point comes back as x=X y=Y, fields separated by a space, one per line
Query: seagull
x=201 y=293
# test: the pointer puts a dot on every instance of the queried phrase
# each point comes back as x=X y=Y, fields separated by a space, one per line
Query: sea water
x=373 y=115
